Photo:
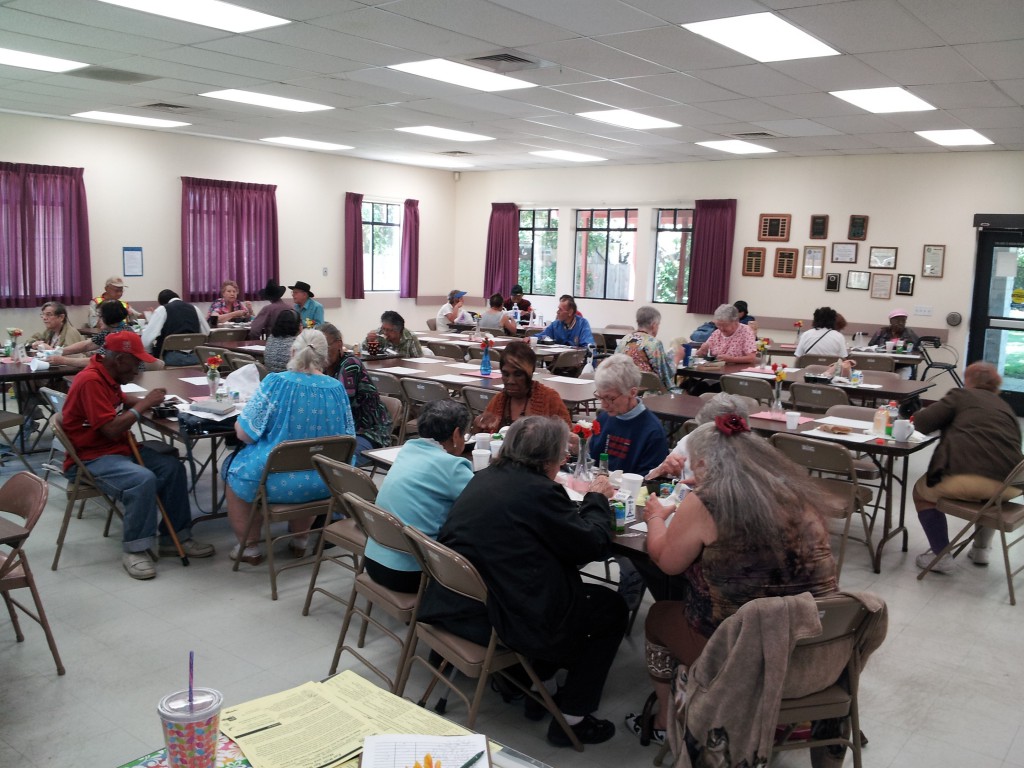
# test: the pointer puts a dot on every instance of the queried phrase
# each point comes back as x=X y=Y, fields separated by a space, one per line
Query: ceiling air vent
x=508 y=60
x=756 y=135
x=456 y=153
x=108 y=75
x=163 y=106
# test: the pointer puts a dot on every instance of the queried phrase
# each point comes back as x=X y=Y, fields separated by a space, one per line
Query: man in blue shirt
x=569 y=328
x=311 y=313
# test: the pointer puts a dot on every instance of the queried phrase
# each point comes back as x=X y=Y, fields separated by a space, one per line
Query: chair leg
x=18 y=634
x=41 y=616
x=312 y=577
x=344 y=629
x=68 y=511
x=1006 y=563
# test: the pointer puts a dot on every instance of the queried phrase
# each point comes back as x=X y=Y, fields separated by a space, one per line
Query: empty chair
x=228 y=334
x=181 y=342
x=386 y=383
x=205 y=352
x=816 y=398
x=476 y=352
x=805 y=360
x=10 y=429
x=748 y=386
x=236 y=360
x=873 y=362
x=23 y=497
x=417 y=392
x=477 y=398
x=926 y=346
x=444 y=349
x=569 y=363
x=432 y=323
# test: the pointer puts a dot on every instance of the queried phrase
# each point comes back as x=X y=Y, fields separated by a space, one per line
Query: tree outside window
x=605 y=248
x=382 y=245
x=672 y=255
x=538 y=250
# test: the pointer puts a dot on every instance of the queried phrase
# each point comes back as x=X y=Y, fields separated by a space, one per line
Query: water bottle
x=880 y=420
x=892 y=413
x=515 y=313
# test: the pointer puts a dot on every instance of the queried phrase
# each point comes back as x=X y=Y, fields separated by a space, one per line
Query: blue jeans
x=137 y=488
x=362 y=444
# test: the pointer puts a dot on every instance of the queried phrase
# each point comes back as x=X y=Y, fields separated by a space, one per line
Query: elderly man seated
x=569 y=327
x=98 y=418
x=113 y=290
x=394 y=336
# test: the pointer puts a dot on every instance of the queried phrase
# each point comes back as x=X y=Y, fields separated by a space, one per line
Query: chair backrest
x=446 y=566
x=228 y=334
x=379 y=524
x=856 y=412
x=432 y=323
x=874 y=362
x=758 y=389
x=444 y=349
x=236 y=360
x=651 y=382
x=261 y=369
x=752 y=404
x=57 y=425
x=423 y=390
x=477 y=353
x=477 y=398
x=394 y=406
x=182 y=342
x=569 y=363
x=689 y=425
x=24 y=495
x=297 y=455
x=804 y=360
x=842 y=617
x=816 y=398
x=386 y=383
x=204 y=353
x=817 y=455
x=54 y=398
x=621 y=327
x=342 y=478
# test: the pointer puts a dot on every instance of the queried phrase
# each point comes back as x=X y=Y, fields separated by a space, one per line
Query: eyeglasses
x=45 y=315
x=610 y=398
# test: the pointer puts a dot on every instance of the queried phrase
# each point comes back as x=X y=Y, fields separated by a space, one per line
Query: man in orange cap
x=98 y=418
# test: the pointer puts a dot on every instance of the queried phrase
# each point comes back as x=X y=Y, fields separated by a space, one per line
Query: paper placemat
x=422 y=360
x=837 y=421
x=256 y=347
x=465 y=366
x=477 y=374
x=132 y=388
x=753 y=373
x=198 y=381
x=567 y=380
x=449 y=378
x=853 y=437
x=400 y=371
x=768 y=415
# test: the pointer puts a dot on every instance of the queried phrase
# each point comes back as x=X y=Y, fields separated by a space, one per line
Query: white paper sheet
x=255 y=347
x=130 y=389
x=399 y=371
x=567 y=380
x=199 y=381
x=466 y=366
x=853 y=437
x=836 y=421
x=421 y=360
x=451 y=378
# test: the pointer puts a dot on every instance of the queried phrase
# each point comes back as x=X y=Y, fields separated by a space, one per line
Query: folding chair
x=78 y=491
x=395 y=407
x=651 y=384
x=24 y=497
x=805 y=360
x=10 y=428
x=816 y=398
x=476 y=353
x=236 y=360
x=228 y=334
x=835 y=461
x=204 y=353
x=999 y=513
x=477 y=398
x=386 y=529
x=181 y=342
x=452 y=571
x=569 y=363
x=432 y=323
x=292 y=456
x=417 y=393
x=873 y=362
x=55 y=401
x=757 y=389
x=444 y=349
x=939 y=365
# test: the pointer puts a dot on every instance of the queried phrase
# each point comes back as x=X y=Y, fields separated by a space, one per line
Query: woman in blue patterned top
x=297 y=404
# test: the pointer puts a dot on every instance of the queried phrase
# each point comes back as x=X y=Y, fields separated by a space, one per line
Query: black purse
x=196 y=426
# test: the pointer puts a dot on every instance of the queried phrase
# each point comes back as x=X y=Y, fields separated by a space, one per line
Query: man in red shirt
x=97 y=418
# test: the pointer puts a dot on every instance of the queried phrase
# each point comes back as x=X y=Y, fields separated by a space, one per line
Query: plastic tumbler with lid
x=190 y=731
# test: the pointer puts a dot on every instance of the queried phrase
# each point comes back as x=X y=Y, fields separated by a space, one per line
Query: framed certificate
x=814 y=262
x=934 y=261
x=882 y=258
x=881 y=285
x=858 y=281
x=844 y=253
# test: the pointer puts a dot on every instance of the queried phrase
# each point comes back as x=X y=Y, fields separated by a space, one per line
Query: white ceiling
x=965 y=57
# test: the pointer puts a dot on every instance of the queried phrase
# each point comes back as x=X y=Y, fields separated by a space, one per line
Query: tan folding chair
x=55 y=399
x=748 y=386
x=837 y=479
x=478 y=398
x=24 y=497
x=292 y=456
x=432 y=323
x=344 y=534
x=999 y=513
x=751 y=403
x=417 y=393
x=452 y=571
x=395 y=407
x=10 y=429
x=204 y=353
x=181 y=342
x=476 y=352
x=873 y=362
x=78 y=491
x=236 y=360
x=444 y=349
x=651 y=384
x=805 y=360
x=569 y=363
x=815 y=398
x=228 y=334
x=385 y=529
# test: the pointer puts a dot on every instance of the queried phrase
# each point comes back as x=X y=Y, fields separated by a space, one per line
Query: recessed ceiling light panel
x=562 y=154
x=462 y=74
x=883 y=100
x=763 y=37
x=208 y=13
x=627 y=118
x=445 y=133
x=735 y=146
x=955 y=138
x=114 y=117
x=25 y=60
x=265 y=100
x=289 y=141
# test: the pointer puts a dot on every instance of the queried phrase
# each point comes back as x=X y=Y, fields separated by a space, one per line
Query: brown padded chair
x=24 y=496
x=386 y=529
x=347 y=537
x=292 y=456
x=452 y=571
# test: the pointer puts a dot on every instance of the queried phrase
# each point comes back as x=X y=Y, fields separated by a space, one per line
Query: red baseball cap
x=129 y=342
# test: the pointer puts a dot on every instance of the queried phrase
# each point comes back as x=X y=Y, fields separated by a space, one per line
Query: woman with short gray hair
x=732 y=342
x=645 y=349
x=630 y=434
x=427 y=477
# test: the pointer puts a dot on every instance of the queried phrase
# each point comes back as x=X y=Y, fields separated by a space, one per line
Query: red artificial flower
x=214 y=361
x=731 y=424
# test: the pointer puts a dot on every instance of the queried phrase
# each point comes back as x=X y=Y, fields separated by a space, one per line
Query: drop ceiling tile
x=595 y=58
x=312 y=37
x=813 y=105
x=201 y=78
x=360 y=94
x=799 y=127
x=1005 y=136
x=997 y=117
x=212 y=60
x=975 y=22
x=302 y=10
x=834 y=73
x=926 y=121
x=1012 y=88
x=553 y=99
x=755 y=80
x=860 y=123
x=997 y=61
x=675 y=48
x=483 y=20
x=962 y=95
x=844 y=26
x=685 y=115
x=685 y=11
x=617 y=95
x=554 y=75
x=384 y=26
x=253 y=49
x=585 y=17
x=747 y=110
x=923 y=65
x=47 y=31
x=893 y=140
x=680 y=87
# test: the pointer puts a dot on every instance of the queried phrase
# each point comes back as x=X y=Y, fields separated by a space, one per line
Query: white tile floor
x=943 y=690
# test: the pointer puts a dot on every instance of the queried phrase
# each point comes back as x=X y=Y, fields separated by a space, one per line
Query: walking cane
x=160 y=505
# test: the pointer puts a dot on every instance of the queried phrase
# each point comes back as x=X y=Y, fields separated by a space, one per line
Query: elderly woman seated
x=279 y=344
x=427 y=477
x=644 y=348
x=750 y=529
x=528 y=555
x=521 y=396
x=731 y=342
x=299 y=403
x=630 y=434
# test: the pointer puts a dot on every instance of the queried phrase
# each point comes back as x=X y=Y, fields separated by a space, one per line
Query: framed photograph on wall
x=844 y=253
x=832 y=281
x=857 y=280
x=858 y=228
x=934 y=261
x=819 y=227
x=814 y=262
x=904 y=285
x=882 y=258
x=881 y=285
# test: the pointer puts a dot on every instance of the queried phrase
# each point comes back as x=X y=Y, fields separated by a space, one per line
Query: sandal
x=643 y=724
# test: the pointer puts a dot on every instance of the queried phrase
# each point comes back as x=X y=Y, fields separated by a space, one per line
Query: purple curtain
x=714 y=222
x=501 y=270
x=228 y=232
x=409 y=274
x=44 y=236
x=354 y=246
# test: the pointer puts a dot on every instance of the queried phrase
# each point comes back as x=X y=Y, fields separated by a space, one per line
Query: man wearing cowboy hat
x=98 y=418
x=311 y=313
x=113 y=289
x=264 y=321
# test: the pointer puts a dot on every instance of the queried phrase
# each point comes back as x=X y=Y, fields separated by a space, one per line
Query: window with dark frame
x=673 y=241
x=538 y=250
x=605 y=250
x=382 y=245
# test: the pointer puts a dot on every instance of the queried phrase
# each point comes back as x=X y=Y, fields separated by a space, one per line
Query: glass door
x=997 y=319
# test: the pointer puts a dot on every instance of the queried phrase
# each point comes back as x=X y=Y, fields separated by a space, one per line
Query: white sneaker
x=945 y=565
x=139 y=565
x=979 y=555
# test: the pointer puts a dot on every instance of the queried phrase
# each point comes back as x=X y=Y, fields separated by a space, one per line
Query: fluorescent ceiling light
x=445 y=133
x=208 y=13
x=575 y=157
x=956 y=138
x=264 y=100
x=114 y=117
x=34 y=61
x=763 y=37
x=627 y=118
x=288 y=141
x=881 y=100
x=735 y=146
x=462 y=74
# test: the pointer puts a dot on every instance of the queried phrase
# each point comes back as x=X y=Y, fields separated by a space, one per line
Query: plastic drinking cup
x=495 y=448
x=483 y=440
x=890 y=346
x=191 y=732
x=792 y=419
x=481 y=458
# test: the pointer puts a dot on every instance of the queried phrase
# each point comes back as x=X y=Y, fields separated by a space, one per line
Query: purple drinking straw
x=191 y=664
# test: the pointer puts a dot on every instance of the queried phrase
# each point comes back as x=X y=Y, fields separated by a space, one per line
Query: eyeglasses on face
x=610 y=398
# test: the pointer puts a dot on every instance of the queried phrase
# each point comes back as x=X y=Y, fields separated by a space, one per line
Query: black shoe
x=589 y=730
x=535 y=710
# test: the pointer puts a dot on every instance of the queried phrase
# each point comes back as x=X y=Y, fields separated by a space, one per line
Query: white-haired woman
x=643 y=346
x=732 y=342
x=301 y=402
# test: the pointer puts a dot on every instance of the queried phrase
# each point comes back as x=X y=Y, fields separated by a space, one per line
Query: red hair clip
x=731 y=424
